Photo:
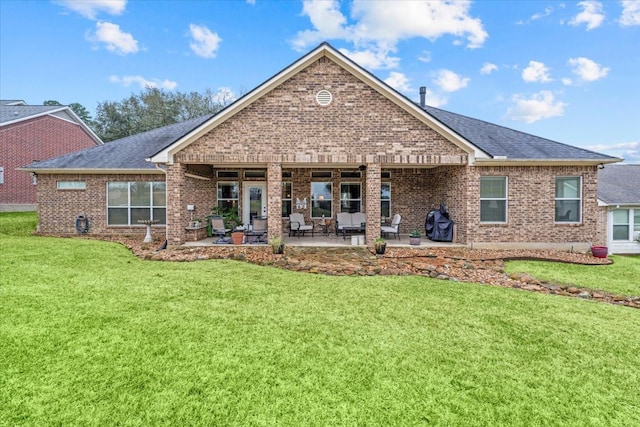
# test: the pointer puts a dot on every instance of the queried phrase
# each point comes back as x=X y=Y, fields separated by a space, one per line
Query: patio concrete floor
x=331 y=240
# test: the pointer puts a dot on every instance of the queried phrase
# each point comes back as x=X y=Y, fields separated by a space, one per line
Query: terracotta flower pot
x=237 y=238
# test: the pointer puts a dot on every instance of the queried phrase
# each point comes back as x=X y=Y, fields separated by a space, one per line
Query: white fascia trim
x=542 y=162
x=37 y=171
x=166 y=155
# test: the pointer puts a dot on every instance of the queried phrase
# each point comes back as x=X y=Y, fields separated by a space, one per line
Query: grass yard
x=622 y=277
x=91 y=335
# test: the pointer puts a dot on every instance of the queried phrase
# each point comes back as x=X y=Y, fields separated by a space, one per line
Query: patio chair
x=297 y=225
x=394 y=228
x=258 y=234
x=217 y=227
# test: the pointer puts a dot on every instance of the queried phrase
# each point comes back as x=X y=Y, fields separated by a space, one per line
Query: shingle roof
x=125 y=153
x=619 y=184
x=498 y=140
x=10 y=113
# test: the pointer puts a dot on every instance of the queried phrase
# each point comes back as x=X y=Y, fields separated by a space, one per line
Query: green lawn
x=91 y=335
x=622 y=277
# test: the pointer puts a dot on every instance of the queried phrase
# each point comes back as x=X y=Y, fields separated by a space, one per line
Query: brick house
x=30 y=133
x=324 y=136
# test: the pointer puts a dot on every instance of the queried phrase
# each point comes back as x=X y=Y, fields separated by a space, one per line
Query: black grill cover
x=438 y=227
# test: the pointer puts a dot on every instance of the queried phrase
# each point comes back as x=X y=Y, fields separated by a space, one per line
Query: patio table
x=352 y=229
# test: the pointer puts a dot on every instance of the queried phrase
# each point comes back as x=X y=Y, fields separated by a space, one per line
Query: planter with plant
x=380 y=245
x=415 y=238
x=277 y=245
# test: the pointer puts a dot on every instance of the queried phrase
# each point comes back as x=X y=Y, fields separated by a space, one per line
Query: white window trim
x=389 y=200
x=311 y=198
x=505 y=199
x=555 y=199
x=129 y=206
x=290 y=199
x=351 y=183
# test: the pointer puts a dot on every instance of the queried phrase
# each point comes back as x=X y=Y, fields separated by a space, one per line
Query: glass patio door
x=254 y=201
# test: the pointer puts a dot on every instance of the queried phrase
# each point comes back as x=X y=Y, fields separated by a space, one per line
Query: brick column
x=274 y=200
x=373 y=202
x=176 y=209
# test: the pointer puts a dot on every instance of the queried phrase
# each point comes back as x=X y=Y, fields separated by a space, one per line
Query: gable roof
x=323 y=50
x=129 y=153
x=17 y=111
x=505 y=144
x=619 y=185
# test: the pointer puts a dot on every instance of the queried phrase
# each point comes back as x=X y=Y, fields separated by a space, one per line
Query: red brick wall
x=58 y=209
x=40 y=138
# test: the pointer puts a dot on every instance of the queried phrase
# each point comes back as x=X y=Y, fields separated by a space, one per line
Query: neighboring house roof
x=17 y=111
x=128 y=153
x=510 y=144
x=619 y=185
x=12 y=102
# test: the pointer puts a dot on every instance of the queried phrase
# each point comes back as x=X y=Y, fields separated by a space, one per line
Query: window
x=321 y=199
x=129 y=202
x=350 y=174
x=227 y=174
x=71 y=185
x=621 y=224
x=287 y=191
x=385 y=199
x=1 y=175
x=321 y=174
x=568 y=199
x=287 y=174
x=255 y=173
x=493 y=199
x=228 y=195
x=350 y=199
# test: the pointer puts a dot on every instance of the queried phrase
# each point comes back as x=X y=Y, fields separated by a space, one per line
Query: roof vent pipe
x=423 y=94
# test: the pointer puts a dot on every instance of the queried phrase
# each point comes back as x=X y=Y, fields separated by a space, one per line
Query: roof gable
x=324 y=50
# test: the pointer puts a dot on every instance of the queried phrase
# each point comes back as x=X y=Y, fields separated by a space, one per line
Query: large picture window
x=321 y=199
x=626 y=224
x=350 y=197
x=493 y=199
x=228 y=195
x=130 y=202
x=385 y=199
x=287 y=191
x=568 y=199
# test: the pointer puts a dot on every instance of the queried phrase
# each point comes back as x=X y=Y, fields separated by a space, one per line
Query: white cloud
x=373 y=59
x=224 y=96
x=90 y=8
x=433 y=99
x=379 y=26
x=251 y=2
x=398 y=81
x=488 y=68
x=115 y=40
x=541 y=105
x=449 y=81
x=630 y=13
x=591 y=15
x=425 y=56
x=629 y=151
x=205 y=42
x=143 y=82
x=587 y=70
x=536 y=72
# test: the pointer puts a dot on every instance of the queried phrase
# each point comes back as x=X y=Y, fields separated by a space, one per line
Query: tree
x=153 y=108
x=79 y=109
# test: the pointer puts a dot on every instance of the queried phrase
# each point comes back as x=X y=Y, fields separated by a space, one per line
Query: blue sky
x=567 y=71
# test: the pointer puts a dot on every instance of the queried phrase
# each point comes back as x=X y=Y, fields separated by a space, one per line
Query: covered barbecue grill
x=438 y=226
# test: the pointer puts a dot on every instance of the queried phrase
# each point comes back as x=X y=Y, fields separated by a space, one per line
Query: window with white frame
x=130 y=202
x=321 y=199
x=350 y=197
x=568 y=199
x=71 y=185
x=385 y=199
x=493 y=199
x=287 y=191
x=626 y=224
x=1 y=175
x=228 y=196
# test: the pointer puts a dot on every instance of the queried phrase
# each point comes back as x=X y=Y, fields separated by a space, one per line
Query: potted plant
x=277 y=245
x=380 y=245
x=415 y=238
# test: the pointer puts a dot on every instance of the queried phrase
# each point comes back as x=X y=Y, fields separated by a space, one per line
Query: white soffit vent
x=324 y=97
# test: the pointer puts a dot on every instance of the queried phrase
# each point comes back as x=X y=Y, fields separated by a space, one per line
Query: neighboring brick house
x=619 y=201
x=31 y=133
x=325 y=136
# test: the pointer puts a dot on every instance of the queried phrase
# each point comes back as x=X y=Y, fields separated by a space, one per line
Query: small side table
x=324 y=226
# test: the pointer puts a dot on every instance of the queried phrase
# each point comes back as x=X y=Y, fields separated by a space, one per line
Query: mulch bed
x=455 y=264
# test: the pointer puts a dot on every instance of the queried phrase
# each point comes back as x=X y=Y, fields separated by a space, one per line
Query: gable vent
x=324 y=98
